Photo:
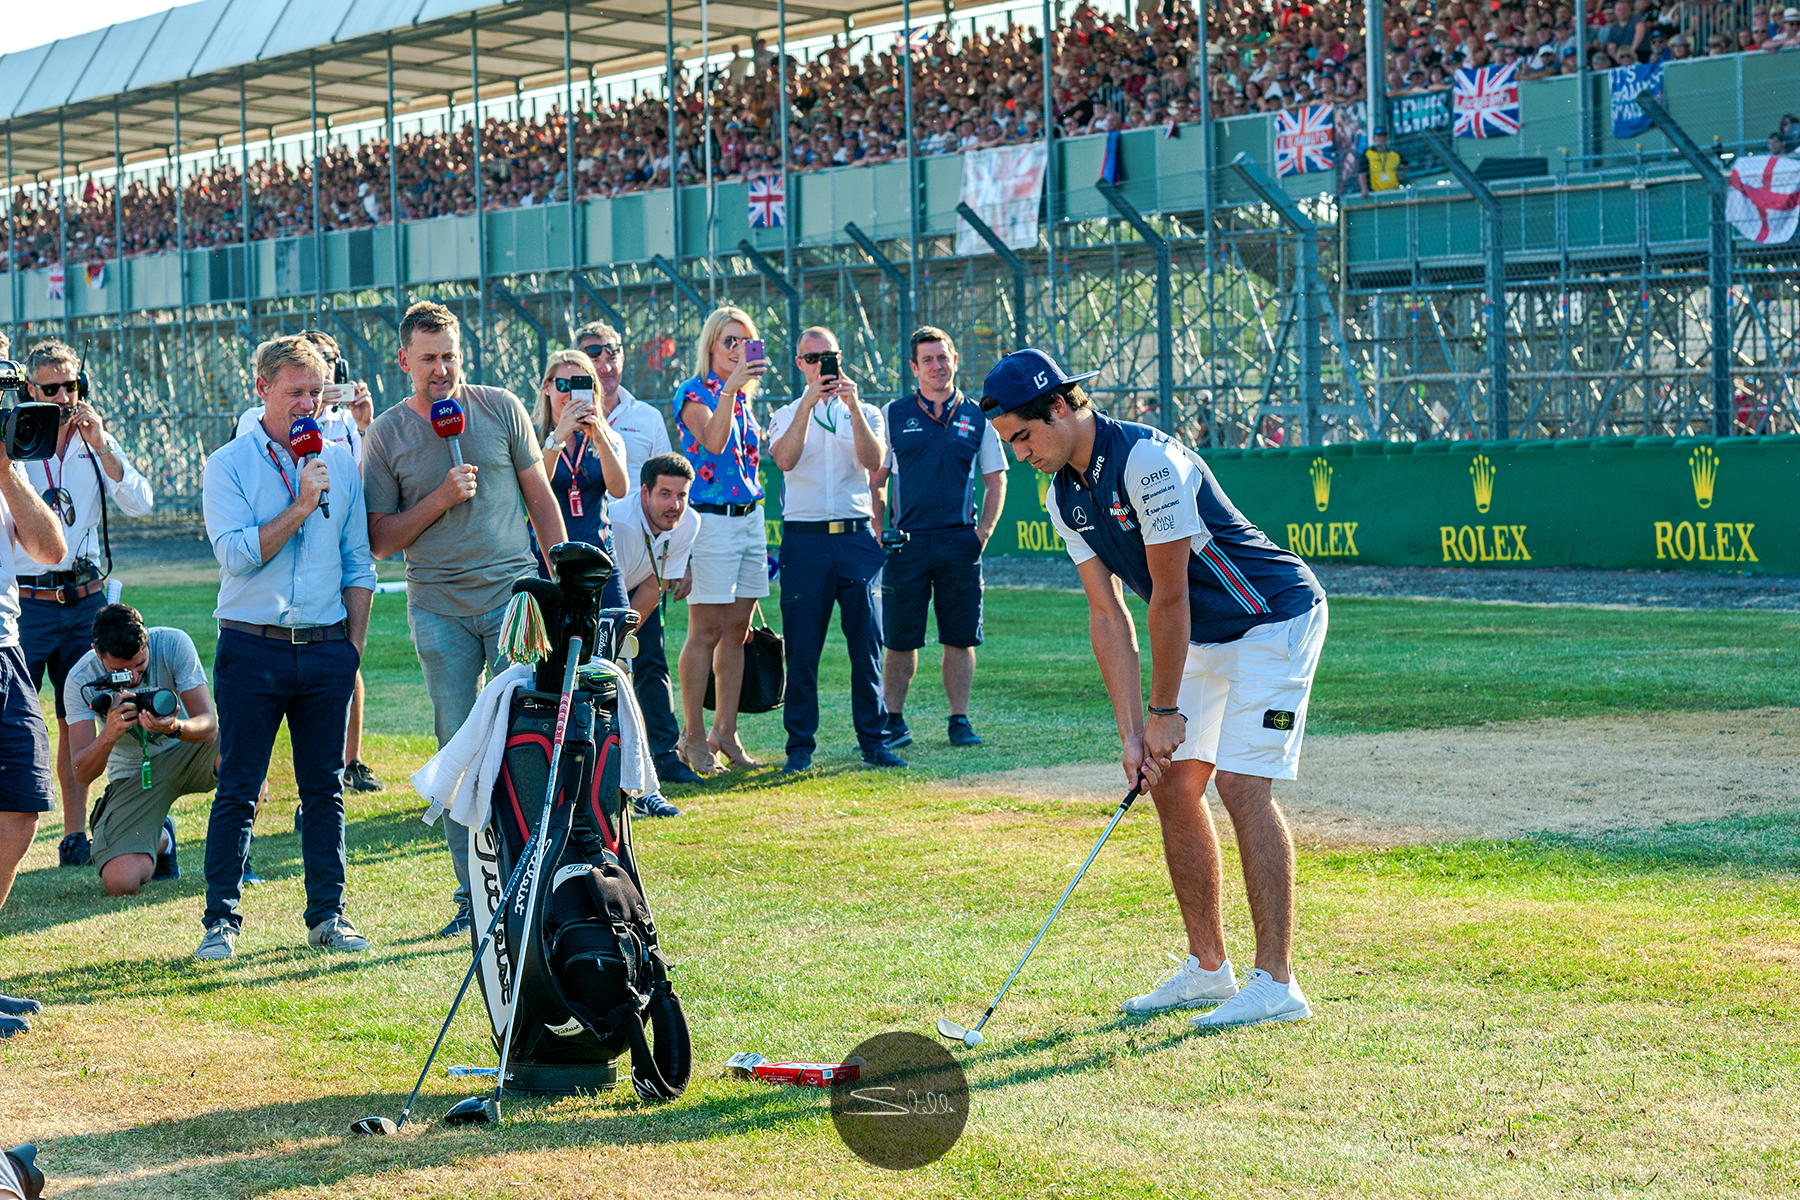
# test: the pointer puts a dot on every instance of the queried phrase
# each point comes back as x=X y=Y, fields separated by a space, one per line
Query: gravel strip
x=1630 y=589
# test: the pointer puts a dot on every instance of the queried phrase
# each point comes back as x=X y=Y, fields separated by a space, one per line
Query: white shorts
x=1245 y=701
x=730 y=559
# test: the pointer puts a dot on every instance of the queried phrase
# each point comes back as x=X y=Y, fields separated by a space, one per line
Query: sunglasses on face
x=812 y=360
x=567 y=385
x=731 y=342
x=51 y=389
x=596 y=350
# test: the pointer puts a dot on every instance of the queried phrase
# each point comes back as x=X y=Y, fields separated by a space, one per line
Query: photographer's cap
x=1022 y=377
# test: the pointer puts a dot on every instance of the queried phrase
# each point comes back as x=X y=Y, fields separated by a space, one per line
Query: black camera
x=893 y=539
x=100 y=695
x=340 y=371
x=30 y=427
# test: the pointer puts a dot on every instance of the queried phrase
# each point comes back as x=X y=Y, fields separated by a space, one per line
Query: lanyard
x=574 y=467
x=657 y=571
x=270 y=450
x=831 y=428
x=949 y=406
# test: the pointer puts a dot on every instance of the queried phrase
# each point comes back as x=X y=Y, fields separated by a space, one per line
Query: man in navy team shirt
x=1236 y=626
x=937 y=444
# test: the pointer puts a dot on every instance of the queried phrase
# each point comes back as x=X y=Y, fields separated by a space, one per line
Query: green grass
x=1547 y=1015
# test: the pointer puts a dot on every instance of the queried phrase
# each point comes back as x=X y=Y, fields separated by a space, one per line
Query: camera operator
x=296 y=583
x=937 y=442
x=27 y=524
x=345 y=412
x=826 y=443
x=654 y=533
x=59 y=597
x=149 y=760
x=638 y=425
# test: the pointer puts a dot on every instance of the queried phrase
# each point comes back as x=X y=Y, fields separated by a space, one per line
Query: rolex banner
x=1647 y=503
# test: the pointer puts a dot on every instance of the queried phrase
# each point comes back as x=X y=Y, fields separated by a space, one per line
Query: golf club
x=972 y=1037
x=491 y=1111
x=382 y=1126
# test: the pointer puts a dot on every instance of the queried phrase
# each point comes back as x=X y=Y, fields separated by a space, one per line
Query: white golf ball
x=972 y=1039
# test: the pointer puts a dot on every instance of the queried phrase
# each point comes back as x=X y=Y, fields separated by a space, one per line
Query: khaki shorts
x=128 y=819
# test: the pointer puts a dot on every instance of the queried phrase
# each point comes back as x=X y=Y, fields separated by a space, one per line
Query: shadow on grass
x=1759 y=845
x=229 y=1152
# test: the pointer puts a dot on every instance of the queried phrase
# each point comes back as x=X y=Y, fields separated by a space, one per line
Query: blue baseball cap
x=1020 y=378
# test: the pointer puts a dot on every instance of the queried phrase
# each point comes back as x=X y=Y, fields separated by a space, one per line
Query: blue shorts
x=941 y=566
x=26 y=781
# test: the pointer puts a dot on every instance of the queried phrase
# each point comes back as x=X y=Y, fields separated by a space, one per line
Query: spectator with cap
x=716 y=418
x=826 y=443
x=938 y=444
x=296 y=582
x=1381 y=171
x=59 y=598
x=461 y=528
x=655 y=530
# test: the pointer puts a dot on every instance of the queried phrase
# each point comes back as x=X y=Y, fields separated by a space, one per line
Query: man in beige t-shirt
x=462 y=528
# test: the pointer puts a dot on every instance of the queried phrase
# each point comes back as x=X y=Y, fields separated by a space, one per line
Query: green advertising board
x=1643 y=503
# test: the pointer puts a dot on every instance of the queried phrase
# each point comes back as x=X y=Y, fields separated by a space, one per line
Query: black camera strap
x=105 y=534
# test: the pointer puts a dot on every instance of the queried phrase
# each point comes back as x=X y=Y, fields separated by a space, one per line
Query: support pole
x=674 y=191
x=1718 y=259
x=1206 y=137
x=899 y=281
x=181 y=263
x=789 y=201
x=569 y=163
x=12 y=247
x=1581 y=79
x=244 y=203
x=1051 y=177
x=312 y=104
x=1021 y=326
x=767 y=270
x=1375 y=62
x=119 y=354
x=706 y=141
x=912 y=165
x=393 y=157
x=1499 y=400
x=62 y=227
x=480 y=209
x=1165 y=320
x=1307 y=233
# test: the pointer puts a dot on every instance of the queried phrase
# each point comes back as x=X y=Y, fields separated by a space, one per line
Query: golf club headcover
x=22 y=1161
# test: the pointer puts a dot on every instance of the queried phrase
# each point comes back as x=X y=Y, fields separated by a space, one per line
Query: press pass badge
x=575 y=500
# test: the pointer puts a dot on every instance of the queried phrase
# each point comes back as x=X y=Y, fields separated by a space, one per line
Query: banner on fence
x=55 y=281
x=1303 y=140
x=1764 y=200
x=1002 y=186
x=1629 y=118
x=1487 y=102
x=1414 y=114
x=768 y=202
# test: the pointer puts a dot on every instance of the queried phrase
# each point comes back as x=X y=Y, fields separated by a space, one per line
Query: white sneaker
x=1187 y=986
x=1260 y=999
x=337 y=933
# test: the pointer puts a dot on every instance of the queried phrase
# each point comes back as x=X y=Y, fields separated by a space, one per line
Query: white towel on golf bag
x=460 y=777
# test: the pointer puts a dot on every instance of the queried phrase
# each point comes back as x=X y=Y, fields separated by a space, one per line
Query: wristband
x=1166 y=712
x=112 y=445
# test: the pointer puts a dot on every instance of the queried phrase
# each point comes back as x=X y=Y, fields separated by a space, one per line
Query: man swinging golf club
x=1236 y=626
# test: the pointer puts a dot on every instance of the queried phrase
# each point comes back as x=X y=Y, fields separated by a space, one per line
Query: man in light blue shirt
x=295 y=585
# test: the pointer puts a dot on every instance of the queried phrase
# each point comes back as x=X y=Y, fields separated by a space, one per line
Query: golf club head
x=372 y=1127
x=24 y=1163
x=951 y=1030
x=476 y=1110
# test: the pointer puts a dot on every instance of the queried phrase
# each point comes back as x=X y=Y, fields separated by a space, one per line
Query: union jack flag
x=1303 y=140
x=768 y=204
x=1487 y=102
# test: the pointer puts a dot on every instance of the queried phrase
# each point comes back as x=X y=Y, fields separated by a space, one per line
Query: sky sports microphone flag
x=305 y=443
x=447 y=419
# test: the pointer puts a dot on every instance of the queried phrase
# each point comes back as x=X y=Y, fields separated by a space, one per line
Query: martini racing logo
x=1122 y=513
x=962 y=425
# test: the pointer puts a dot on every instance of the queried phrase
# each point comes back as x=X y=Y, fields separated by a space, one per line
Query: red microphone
x=447 y=419
x=306 y=442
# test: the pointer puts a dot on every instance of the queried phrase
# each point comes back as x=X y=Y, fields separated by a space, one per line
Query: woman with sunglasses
x=584 y=457
x=730 y=559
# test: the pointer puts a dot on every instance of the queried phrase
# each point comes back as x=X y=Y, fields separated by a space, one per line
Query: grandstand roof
x=202 y=51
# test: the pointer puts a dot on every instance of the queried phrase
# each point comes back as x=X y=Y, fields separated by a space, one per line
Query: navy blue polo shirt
x=934 y=461
x=1143 y=488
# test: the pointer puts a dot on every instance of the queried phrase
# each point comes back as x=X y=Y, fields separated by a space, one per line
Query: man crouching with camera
x=145 y=718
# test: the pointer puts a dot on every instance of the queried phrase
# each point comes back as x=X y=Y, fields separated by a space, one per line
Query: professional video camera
x=100 y=695
x=30 y=427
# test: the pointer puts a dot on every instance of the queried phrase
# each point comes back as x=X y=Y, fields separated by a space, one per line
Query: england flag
x=1487 y=102
x=768 y=204
x=1303 y=140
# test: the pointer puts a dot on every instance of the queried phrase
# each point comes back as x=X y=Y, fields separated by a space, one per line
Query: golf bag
x=593 y=976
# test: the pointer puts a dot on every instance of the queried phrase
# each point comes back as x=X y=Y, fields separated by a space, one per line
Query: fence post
x=1165 y=319
x=1021 y=326
x=1307 y=232
x=1498 y=399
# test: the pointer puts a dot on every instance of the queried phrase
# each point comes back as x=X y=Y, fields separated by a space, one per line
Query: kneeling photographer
x=140 y=711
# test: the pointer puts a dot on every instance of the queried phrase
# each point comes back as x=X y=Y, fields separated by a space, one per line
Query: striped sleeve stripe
x=1233 y=579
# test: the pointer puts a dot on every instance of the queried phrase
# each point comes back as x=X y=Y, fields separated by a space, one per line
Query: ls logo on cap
x=1040 y=379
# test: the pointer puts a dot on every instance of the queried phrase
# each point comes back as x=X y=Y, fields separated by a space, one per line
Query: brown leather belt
x=58 y=595
x=296 y=635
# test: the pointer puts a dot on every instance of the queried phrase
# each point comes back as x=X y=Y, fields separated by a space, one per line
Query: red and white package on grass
x=808 y=1074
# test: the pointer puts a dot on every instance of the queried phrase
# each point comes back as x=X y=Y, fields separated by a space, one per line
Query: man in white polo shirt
x=826 y=443
x=640 y=426
x=653 y=534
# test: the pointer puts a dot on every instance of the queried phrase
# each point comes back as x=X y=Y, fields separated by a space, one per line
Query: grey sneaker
x=220 y=942
x=337 y=934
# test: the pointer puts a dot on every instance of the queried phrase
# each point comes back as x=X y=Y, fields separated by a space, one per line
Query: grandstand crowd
x=974 y=91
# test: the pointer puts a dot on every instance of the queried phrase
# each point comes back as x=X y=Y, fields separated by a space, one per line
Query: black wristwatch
x=1166 y=712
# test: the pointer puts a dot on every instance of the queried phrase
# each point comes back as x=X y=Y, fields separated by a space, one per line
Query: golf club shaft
x=1124 y=807
x=537 y=861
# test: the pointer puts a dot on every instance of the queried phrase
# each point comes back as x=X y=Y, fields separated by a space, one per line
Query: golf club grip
x=1124 y=807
